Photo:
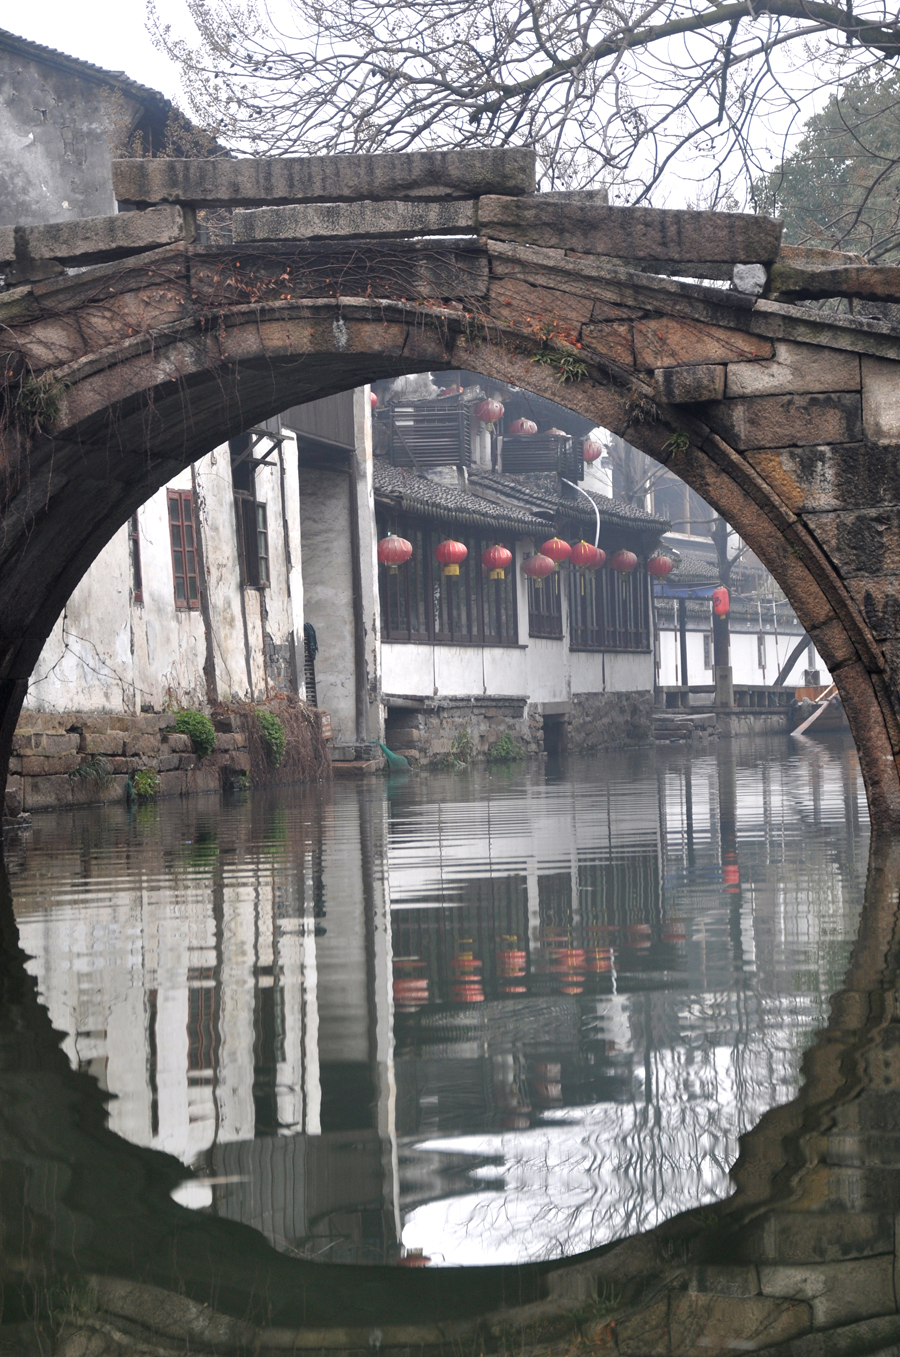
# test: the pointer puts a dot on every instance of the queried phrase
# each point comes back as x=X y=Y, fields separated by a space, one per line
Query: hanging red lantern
x=394 y=551
x=587 y=557
x=538 y=567
x=488 y=411
x=721 y=601
x=373 y=399
x=496 y=559
x=660 y=565
x=523 y=426
x=558 y=433
x=451 y=554
x=623 y=561
x=557 y=550
x=592 y=451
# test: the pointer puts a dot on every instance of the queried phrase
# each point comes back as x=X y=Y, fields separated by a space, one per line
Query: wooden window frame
x=187 y=551
x=420 y=606
x=134 y=552
x=545 y=623
x=611 y=613
x=253 y=541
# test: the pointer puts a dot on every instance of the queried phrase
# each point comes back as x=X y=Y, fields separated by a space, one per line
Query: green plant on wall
x=505 y=750
x=95 y=769
x=462 y=751
x=274 y=738
x=145 y=784
x=200 y=730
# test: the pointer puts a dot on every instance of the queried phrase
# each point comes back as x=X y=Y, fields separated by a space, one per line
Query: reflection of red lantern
x=538 y=567
x=394 y=551
x=660 y=565
x=496 y=560
x=525 y=426
x=488 y=411
x=587 y=557
x=721 y=601
x=451 y=554
x=623 y=561
x=557 y=550
x=592 y=451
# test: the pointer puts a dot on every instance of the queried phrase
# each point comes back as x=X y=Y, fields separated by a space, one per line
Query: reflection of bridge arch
x=123 y=375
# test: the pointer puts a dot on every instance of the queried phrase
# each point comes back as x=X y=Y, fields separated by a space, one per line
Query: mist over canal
x=488 y=1017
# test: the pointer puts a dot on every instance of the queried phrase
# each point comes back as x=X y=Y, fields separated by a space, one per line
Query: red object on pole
x=526 y=426
x=623 y=561
x=592 y=451
x=538 y=567
x=394 y=551
x=660 y=565
x=488 y=411
x=556 y=549
x=587 y=557
x=451 y=554
x=721 y=601
x=496 y=559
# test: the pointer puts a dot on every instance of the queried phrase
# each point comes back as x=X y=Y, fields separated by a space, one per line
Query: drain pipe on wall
x=590 y=502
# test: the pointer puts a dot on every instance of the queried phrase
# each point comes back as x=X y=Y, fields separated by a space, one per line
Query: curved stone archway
x=784 y=420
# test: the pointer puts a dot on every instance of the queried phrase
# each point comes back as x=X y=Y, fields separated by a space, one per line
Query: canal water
x=494 y=1016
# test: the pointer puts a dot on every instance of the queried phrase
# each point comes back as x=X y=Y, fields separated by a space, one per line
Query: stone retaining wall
x=609 y=720
x=76 y=759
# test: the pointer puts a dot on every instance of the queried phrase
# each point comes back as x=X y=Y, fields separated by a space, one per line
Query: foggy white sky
x=110 y=33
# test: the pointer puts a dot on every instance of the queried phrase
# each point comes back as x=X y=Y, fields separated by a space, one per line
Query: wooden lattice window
x=134 y=549
x=183 y=538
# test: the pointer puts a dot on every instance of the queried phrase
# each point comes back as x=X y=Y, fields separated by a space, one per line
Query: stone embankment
x=76 y=759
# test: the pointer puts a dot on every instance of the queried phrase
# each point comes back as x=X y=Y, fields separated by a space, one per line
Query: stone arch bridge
x=130 y=347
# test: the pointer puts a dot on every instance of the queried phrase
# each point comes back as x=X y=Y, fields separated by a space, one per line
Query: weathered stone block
x=331 y=221
x=645 y=1334
x=666 y=342
x=783 y=421
x=225 y=743
x=112 y=743
x=46 y=793
x=14 y=802
x=784 y=1237
x=741 y=1280
x=795 y=369
x=15 y=763
x=881 y=399
x=584 y=222
x=612 y=340
x=168 y=763
x=96 y=240
x=877 y=283
x=23 y=742
x=187 y=761
x=861 y=542
x=172 y=783
x=513 y=298
x=688 y=385
x=699 y=1322
x=177 y=743
x=838 y=1292
x=207 y=779
x=842 y=476
x=88 y=791
x=145 y=745
x=879 y=601
x=36 y=765
x=325 y=179
x=239 y=760
x=51 y=744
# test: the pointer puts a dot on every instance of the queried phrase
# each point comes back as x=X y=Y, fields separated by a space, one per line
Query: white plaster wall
x=744 y=659
x=328 y=592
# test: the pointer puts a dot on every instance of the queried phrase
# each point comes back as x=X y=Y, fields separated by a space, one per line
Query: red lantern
x=450 y=554
x=592 y=451
x=556 y=549
x=721 y=601
x=660 y=565
x=557 y=433
x=373 y=399
x=623 y=561
x=488 y=411
x=496 y=559
x=394 y=551
x=587 y=557
x=526 y=426
x=538 y=567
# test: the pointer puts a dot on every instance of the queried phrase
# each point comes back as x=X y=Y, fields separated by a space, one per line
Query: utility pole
x=721 y=633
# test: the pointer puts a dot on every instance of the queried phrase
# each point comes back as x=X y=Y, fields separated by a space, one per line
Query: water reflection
x=466 y=1019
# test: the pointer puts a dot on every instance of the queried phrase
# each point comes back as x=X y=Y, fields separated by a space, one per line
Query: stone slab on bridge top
x=428 y=175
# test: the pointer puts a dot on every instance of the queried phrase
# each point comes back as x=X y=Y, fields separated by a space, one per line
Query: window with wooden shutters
x=545 y=607
x=250 y=515
x=183 y=538
x=134 y=547
x=608 y=611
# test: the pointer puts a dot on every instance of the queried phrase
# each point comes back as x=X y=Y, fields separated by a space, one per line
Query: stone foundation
x=425 y=734
x=75 y=759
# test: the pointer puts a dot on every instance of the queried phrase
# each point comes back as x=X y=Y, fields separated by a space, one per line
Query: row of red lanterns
x=490 y=411
x=394 y=551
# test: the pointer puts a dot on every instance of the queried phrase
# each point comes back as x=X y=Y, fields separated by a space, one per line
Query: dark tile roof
x=11 y=42
x=525 y=506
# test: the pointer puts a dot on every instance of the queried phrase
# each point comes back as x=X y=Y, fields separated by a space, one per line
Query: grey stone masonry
x=93 y=240
x=325 y=221
x=325 y=179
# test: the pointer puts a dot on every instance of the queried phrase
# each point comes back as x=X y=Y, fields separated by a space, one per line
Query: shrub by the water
x=199 y=728
x=505 y=750
x=145 y=784
x=274 y=737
